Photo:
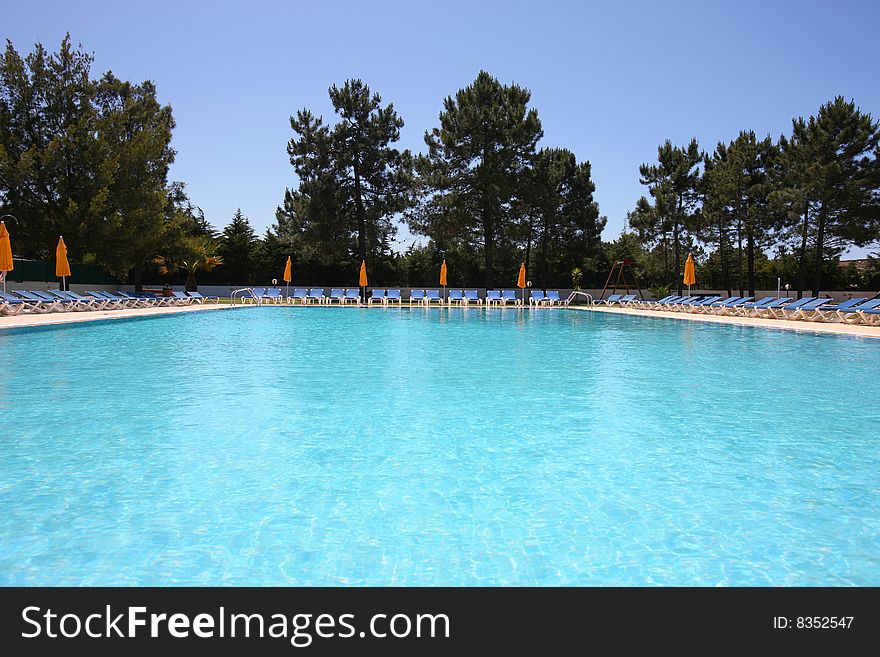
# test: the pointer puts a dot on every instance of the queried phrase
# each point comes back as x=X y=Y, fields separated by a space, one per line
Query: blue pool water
x=455 y=447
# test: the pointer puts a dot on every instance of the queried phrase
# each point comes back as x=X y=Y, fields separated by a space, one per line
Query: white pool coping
x=76 y=317
x=836 y=328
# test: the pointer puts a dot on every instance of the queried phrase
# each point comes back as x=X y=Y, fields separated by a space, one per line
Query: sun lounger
x=352 y=294
x=861 y=314
x=510 y=295
x=199 y=298
x=376 y=296
x=537 y=298
x=416 y=297
x=300 y=294
x=432 y=296
x=801 y=312
x=87 y=303
x=698 y=305
x=274 y=295
x=830 y=312
x=493 y=297
x=119 y=300
x=744 y=309
x=139 y=300
x=554 y=298
x=773 y=310
x=337 y=294
x=182 y=299
x=41 y=304
x=471 y=296
x=13 y=305
x=393 y=296
x=456 y=296
x=316 y=295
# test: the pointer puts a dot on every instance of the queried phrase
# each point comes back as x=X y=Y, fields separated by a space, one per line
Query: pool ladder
x=250 y=295
x=575 y=293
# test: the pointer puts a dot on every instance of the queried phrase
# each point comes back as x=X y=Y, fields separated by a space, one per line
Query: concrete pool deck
x=74 y=317
x=836 y=328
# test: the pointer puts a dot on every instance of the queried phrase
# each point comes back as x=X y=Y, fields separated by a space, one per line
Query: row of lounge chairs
x=391 y=296
x=36 y=301
x=859 y=310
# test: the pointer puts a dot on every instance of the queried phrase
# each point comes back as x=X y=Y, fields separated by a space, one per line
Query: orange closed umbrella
x=443 y=277
x=62 y=267
x=362 y=281
x=689 y=274
x=521 y=281
x=6 y=264
x=288 y=275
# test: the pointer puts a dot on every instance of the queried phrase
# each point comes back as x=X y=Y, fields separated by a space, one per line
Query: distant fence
x=44 y=271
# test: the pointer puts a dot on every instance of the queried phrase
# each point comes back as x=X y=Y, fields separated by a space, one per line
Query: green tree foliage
x=674 y=184
x=831 y=170
x=560 y=216
x=353 y=181
x=237 y=248
x=84 y=158
x=471 y=175
x=736 y=205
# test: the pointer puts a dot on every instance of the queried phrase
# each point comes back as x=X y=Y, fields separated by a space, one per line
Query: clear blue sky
x=610 y=80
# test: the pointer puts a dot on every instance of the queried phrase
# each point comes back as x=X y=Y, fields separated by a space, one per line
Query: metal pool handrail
x=243 y=290
x=575 y=293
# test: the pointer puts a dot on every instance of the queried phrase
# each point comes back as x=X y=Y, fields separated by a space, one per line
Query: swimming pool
x=327 y=446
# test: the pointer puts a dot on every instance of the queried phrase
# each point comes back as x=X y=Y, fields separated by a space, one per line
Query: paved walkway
x=783 y=324
x=72 y=317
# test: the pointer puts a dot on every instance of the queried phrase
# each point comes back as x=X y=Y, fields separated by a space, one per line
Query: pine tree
x=673 y=182
x=237 y=245
x=473 y=171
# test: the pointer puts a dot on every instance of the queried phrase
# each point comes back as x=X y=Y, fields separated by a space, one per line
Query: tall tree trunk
x=802 y=255
x=665 y=243
x=529 y=245
x=360 y=212
x=676 y=243
x=139 y=278
x=545 y=237
x=722 y=253
x=750 y=248
x=488 y=241
x=820 y=248
x=739 y=250
x=191 y=285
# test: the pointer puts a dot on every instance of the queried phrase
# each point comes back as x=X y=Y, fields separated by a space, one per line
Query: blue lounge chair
x=456 y=296
x=352 y=294
x=140 y=301
x=116 y=300
x=710 y=307
x=743 y=309
x=12 y=305
x=510 y=295
x=650 y=303
x=416 y=296
x=182 y=299
x=800 y=312
x=537 y=298
x=274 y=295
x=433 y=295
x=493 y=297
x=393 y=295
x=336 y=294
x=471 y=296
x=299 y=294
x=376 y=295
x=721 y=307
x=554 y=298
x=679 y=303
x=202 y=299
x=43 y=305
x=864 y=313
x=627 y=299
x=769 y=311
x=829 y=312
x=89 y=302
x=699 y=304
x=316 y=294
x=66 y=302
x=611 y=299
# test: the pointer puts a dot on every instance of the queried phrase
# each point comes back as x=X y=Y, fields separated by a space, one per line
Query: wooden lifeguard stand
x=622 y=277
